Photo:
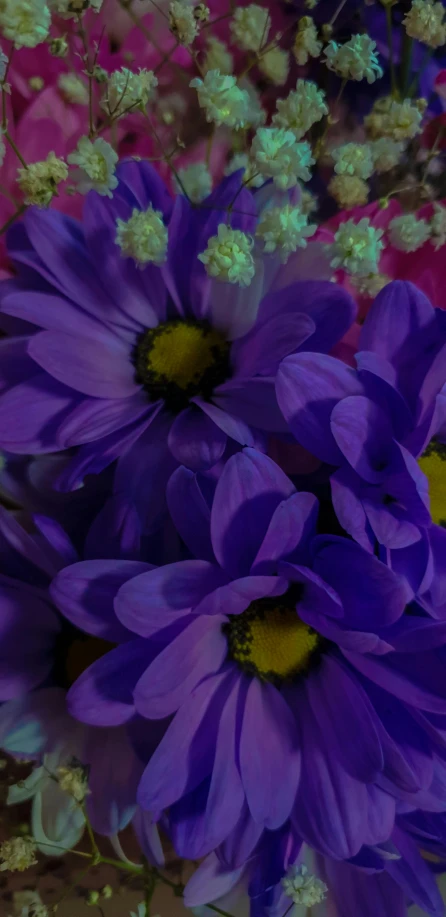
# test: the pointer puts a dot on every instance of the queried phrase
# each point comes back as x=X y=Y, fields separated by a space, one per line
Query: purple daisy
x=39 y=658
x=295 y=679
x=381 y=881
x=154 y=366
x=374 y=423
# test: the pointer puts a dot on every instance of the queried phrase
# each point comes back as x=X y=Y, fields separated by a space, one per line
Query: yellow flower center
x=270 y=641
x=180 y=359
x=433 y=464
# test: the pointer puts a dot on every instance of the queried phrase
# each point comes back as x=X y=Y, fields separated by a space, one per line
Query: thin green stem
x=391 y=49
x=11 y=220
x=16 y=150
x=118 y=864
x=218 y=910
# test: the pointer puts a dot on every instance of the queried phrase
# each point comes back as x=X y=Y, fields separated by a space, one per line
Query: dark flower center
x=178 y=360
x=270 y=641
x=433 y=464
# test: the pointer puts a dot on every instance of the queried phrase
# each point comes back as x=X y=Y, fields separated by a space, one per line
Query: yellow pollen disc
x=274 y=644
x=433 y=464
x=182 y=353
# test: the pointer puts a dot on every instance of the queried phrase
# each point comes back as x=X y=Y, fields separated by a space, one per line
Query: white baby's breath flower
x=277 y=154
x=284 y=229
x=349 y=190
x=250 y=27
x=97 y=164
x=438 y=226
x=303 y=888
x=354 y=60
x=356 y=248
x=25 y=22
x=425 y=21
x=408 y=233
x=228 y=256
x=353 y=159
x=143 y=237
x=69 y=9
x=218 y=56
x=222 y=99
x=39 y=180
x=18 y=854
x=196 y=180
x=250 y=175
x=73 y=781
x=397 y=120
x=306 y=43
x=275 y=65
x=386 y=153
x=301 y=108
x=182 y=22
x=127 y=90
x=371 y=285
x=73 y=88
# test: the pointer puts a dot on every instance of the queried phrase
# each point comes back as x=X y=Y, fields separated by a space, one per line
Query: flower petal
x=103 y=694
x=93 y=367
x=195 y=440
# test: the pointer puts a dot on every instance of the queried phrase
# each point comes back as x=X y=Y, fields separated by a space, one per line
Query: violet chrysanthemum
x=152 y=366
x=39 y=658
x=296 y=681
x=374 y=423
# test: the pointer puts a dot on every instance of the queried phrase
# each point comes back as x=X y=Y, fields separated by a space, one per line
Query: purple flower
x=39 y=657
x=296 y=682
x=151 y=367
x=374 y=422
x=380 y=881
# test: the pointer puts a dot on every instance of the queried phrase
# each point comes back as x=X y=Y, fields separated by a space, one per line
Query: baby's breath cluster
x=39 y=180
x=143 y=237
x=96 y=161
x=354 y=60
x=356 y=248
x=222 y=99
x=395 y=120
x=425 y=21
x=302 y=887
x=284 y=230
x=250 y=27
x=306 y=42
x=127 y=91
x=18 y=854
x=25 y=22
x=228 y=256
x=277 y=155
x=183 y=24
x=408 y=233
x=302 y=107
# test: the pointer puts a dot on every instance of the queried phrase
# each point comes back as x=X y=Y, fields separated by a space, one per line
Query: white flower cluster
x=303 y=888
x=354 y=60
x=218 y=56
x=408 y=233
x=25 y=22
x=425 y=21
x=277 y=155
x=127 y=90
x=18 y=854
x=196 y=181
x=275 y=65
x=97 y=164
x=396 y=120
x=357 y=247
x=182 y=22
x=39 y=180
x=349 y=190
x=284 y=230
x=250 y=27
x=228 y=256
x=301 y=108
x=438 y=226
x=306 y=43
x=223 y=100
x=73 y=782
x=353 y=159
x=143 y=237
x=386 y=153
x=73 y=88
x=250 y=175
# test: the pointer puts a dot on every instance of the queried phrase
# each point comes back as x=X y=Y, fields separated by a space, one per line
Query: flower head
x=128 y=90
x=196 y=181
x=353 y=159
x=228 y=256
x=218 y=56
x=18 y=854
x=250 y=176
x=303 y=888
x=25 y=22
x=348 y=190
x=357 y=247
x=397 y=120
x=222 y=99
x=425 y=21
x=39 y=180
x=438 y=226
x=250 y=27
x=407 y=232
x=275 y=65
x=278 y=155
x=73 y=781
x=73 y=88
x=354 y=60
x=182 y=22
x=301 y=108
x=143 y=237
x=306 y=43
x=97 y=162
x=284 y=229
x=386 y=153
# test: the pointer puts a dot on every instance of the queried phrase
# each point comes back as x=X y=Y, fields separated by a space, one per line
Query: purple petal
x=414 y=875
x=190 y=513
x=291 y=526
x=152 y=601
x=210 y=882
x=85 y=593
x=330 y=307
x=269 y=755
x=248 y=492
x=318 y=597
x=345 y=490
x=253 y=400
x=112 y=763
x=364 y=435
x=94 y=418
x=233 y=427
x=185 y=755
x=262 y=350
x=93 y=367
x=195 y=440
x=235 y=597
x=372 y=595
x=148 y=837
x=238 y=847
x=49 y=311
x=16 y=365
x=355 y=893
x=29 y=413
x=103 y=694
x=400 y=312
x=308 y=387
x=196 y=652
x=416 y=679
x=234 y=312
